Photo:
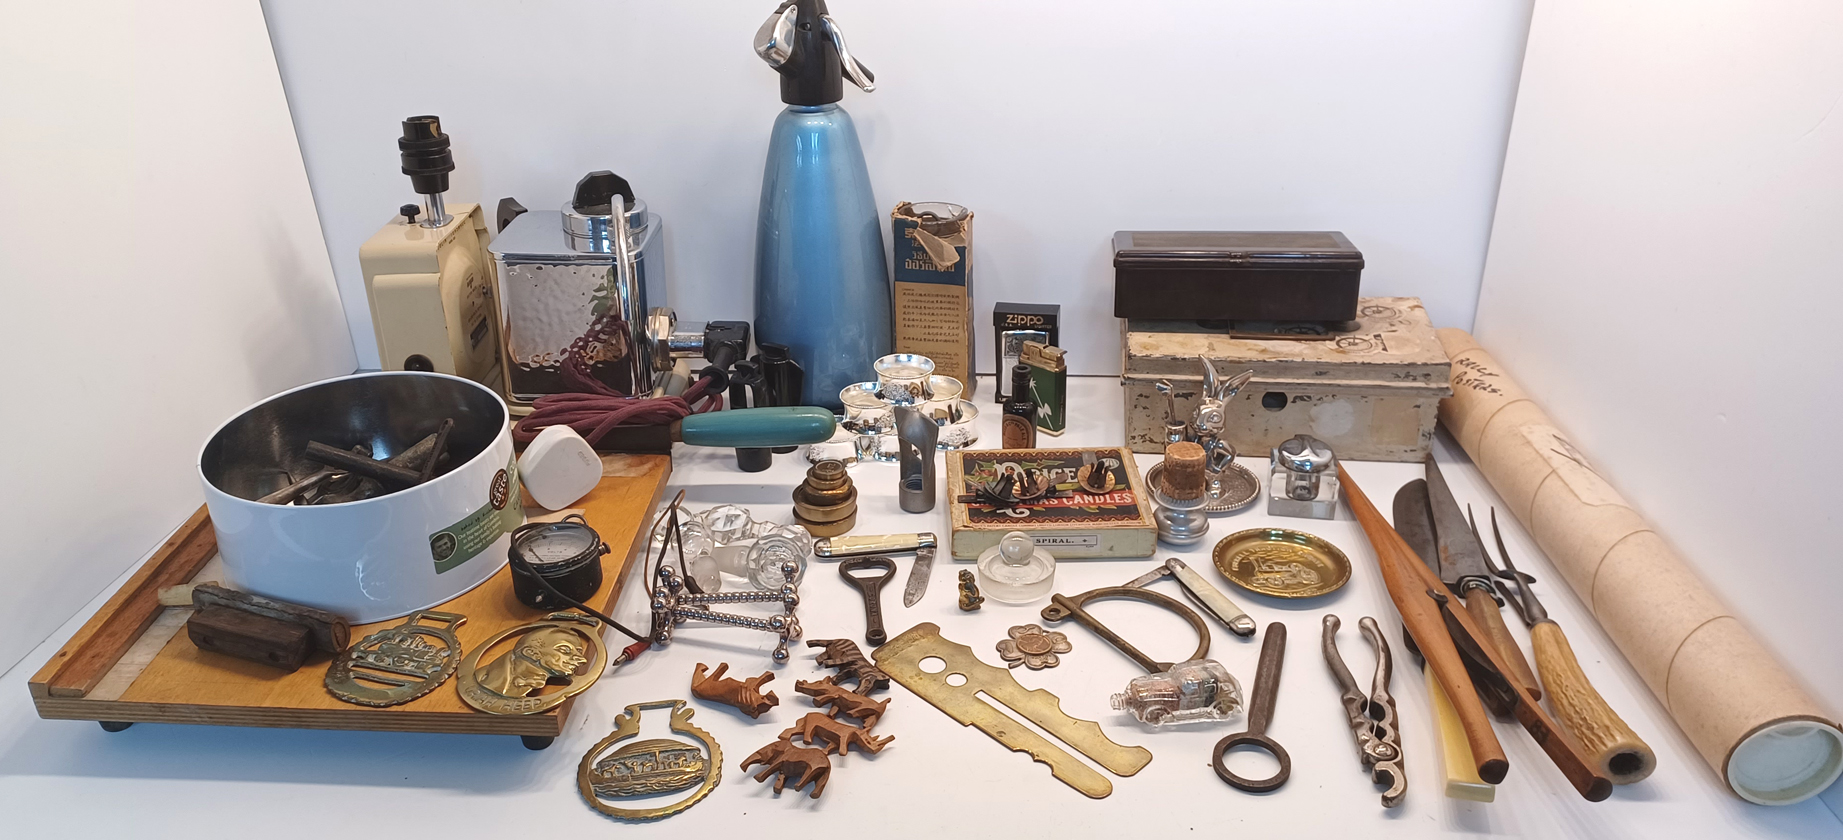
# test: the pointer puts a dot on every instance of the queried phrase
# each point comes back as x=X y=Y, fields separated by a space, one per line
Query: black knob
x=426 y=158
x=408 y=212
x=596 y=191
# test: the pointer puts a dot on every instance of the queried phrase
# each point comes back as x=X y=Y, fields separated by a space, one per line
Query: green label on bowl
x=501 y=512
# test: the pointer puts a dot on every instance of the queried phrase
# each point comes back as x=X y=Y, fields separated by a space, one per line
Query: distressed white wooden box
x=1371 y=394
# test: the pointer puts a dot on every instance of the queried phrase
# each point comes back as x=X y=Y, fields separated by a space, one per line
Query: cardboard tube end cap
x=1786 y=762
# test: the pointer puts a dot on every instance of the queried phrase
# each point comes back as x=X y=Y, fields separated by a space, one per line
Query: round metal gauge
x=566 y=555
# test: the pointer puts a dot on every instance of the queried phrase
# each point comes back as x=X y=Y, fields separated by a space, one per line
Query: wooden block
x=330 y=632
x=246 y=635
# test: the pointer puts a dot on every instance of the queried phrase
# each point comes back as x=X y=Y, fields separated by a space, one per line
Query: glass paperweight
x=1198 y=690
x=1016 y=571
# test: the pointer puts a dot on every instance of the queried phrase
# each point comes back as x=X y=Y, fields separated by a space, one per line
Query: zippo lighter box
x=1371 y=392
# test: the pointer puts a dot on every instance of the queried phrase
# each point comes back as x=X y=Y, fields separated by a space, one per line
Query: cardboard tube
x=1748 y=716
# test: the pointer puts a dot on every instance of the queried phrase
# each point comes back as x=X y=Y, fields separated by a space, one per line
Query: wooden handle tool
x=1610 y=744
x=1418 y=595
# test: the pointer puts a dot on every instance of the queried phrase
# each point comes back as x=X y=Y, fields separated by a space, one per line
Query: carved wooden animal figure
x=825 y=692
x=801 y=764
x=821 y=730
x=742 y=694
x=844 y=655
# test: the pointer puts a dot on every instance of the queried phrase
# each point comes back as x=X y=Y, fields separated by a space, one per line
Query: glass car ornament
x=1198 y=690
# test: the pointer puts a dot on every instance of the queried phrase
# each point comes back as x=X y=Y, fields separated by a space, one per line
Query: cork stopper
x=1182 y=477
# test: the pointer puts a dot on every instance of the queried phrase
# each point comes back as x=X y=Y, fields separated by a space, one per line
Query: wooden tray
x=132 y=663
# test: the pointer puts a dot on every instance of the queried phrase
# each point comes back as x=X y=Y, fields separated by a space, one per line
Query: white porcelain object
x=374 y=559
x=559 y=467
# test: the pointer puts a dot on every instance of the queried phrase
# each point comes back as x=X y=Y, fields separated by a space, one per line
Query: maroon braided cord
x=594 y=415
x=597 y=408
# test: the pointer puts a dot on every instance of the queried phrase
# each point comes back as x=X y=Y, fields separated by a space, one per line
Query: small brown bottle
x=1020 y=421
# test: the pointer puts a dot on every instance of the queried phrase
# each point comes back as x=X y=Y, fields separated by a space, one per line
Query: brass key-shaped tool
x=872 y=588
x=955 y=687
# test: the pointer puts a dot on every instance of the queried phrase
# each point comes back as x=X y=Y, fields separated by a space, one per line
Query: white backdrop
x=1664 y=278
x=162 y=268
x=1056 y=122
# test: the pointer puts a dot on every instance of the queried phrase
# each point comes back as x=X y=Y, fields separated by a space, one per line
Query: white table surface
x=65 y=778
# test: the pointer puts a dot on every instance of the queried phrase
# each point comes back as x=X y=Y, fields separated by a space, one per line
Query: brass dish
x=1282 y=563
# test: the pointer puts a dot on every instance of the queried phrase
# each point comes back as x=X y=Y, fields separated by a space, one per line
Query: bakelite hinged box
x=1235 y=275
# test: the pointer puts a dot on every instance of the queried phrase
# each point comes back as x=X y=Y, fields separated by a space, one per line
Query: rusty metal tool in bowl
x=1426 y=608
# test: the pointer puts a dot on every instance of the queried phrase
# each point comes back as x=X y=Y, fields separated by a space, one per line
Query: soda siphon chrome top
x=804 y=44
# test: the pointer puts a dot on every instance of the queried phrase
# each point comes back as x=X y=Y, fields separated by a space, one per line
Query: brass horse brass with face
x=547 y=652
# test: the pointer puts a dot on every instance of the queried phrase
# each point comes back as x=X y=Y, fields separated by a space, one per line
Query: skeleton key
x=872 y=588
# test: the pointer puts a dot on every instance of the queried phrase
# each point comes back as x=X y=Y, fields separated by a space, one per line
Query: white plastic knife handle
x=1235 y=618
x=877 y=544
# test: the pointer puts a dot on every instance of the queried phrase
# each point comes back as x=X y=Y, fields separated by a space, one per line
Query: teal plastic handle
x=779 y=426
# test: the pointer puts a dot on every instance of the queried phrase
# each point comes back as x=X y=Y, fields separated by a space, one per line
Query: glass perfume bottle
x=1018 y=428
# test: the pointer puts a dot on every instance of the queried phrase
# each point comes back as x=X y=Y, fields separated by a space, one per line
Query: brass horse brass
x=901 y=658
x=659 y=765
x=398 y=664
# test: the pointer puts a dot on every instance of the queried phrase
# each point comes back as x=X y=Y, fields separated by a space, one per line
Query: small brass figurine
x=554 y=650
x=744 y=695
x=970 y=599
x=791 y=762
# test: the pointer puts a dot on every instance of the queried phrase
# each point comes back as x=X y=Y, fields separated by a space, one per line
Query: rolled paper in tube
x=1752 y=721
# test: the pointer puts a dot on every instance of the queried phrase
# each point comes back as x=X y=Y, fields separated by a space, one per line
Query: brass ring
x=1063 y=606
x=627 y=725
